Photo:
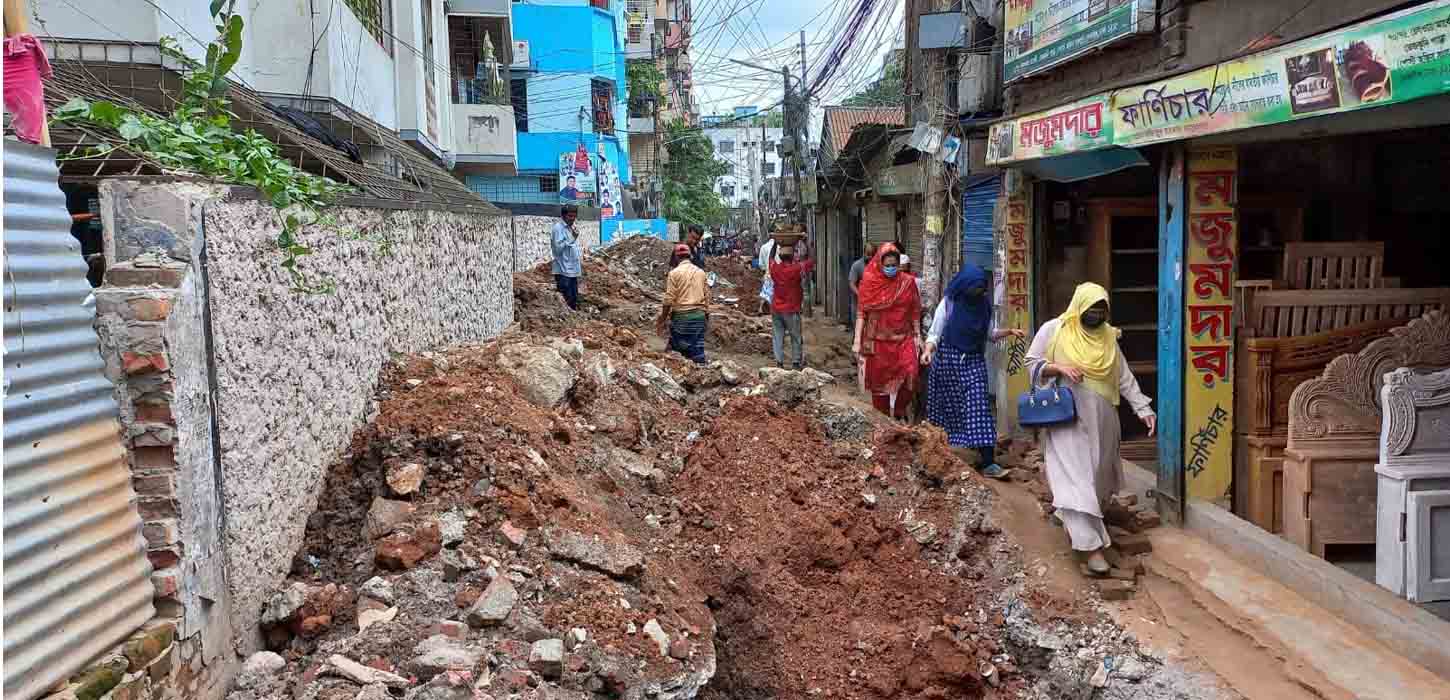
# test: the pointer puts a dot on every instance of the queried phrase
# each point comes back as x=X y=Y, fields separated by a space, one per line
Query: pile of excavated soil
x=624 y=287
x=566 y=513
x=737 y=284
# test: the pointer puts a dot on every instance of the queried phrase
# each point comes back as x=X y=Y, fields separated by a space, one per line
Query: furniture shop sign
x=1388 y=60
x=1208 y=319
x=1045 y=33
x=1081 y=126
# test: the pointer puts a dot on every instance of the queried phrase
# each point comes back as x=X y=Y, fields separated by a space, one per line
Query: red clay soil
x=815 y=591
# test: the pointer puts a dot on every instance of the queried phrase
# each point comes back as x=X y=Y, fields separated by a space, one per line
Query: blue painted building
x=572 y=91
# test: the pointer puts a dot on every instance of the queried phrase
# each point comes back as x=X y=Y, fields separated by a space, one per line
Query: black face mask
x=1092 y=318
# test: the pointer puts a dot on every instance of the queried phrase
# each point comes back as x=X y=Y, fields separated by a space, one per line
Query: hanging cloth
x=25 y=67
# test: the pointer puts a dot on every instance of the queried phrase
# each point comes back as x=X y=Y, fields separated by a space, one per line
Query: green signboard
x=1045 y=33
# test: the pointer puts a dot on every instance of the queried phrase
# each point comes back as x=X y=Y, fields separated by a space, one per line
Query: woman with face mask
x=956 y=389
x=888 y=333
x=1080 y=350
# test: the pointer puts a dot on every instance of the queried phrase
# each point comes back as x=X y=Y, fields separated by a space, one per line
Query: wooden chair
x=1349 y=265
x=1333 y=442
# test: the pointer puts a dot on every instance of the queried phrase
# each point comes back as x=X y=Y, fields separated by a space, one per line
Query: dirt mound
x=624 y=287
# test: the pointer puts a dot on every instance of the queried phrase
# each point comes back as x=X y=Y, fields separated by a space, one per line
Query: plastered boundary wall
x=237 y=391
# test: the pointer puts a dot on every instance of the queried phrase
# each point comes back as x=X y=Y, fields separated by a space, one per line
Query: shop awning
x=1081 y=166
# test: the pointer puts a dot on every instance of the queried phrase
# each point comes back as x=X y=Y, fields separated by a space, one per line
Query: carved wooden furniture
x=1412 y=533
x=1267 y=371
x=1334 y=426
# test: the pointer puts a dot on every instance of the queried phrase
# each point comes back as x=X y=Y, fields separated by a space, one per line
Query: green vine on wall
x=197 y=137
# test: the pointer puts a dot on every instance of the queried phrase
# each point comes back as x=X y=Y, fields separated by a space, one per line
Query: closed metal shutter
x=978 y=201
x=76 y=578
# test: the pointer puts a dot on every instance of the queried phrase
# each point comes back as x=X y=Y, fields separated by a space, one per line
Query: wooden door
x=1123 y=257
x=1427 y=544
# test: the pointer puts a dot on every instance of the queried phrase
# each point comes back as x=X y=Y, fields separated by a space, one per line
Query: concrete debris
x=283 y=606
x=377 y=588
x=600 y=368
x=370 y=617
x=440 y=653
x=648 y=376
x=512 y=535
x=405 y=479
x=576 y=637
x=343 y=667
x=452 y=528
x=791 y=388
x=546 y=658
x=494 y=606
x=543 y=375
x=386 y=515
x=616 y=559
x=456 y=564
x=655 y=632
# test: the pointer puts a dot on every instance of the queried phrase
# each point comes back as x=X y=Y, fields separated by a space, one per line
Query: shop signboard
x=1016 y=311
x=897 y=180
x=1044 y=33
x=1081 y=126
x=1208 y=321
x=1388 y=60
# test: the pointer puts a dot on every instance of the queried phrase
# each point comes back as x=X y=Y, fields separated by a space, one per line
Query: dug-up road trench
x=568 y=511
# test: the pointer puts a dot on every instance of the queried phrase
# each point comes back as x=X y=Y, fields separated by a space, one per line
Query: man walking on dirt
x=685 y=307
x=568 y=264
x=858 y=269
x=788 y=276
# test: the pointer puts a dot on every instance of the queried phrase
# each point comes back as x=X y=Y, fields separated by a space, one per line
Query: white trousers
x=1087 y=531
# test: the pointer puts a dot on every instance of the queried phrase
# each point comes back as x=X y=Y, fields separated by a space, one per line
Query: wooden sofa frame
x=1334 y=430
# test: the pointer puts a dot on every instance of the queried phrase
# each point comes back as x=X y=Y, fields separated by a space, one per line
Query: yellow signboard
x=1208 y=321
x=1017 y=293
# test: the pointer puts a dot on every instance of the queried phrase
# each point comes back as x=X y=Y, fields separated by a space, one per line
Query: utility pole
x=764 y=213
x=933 y=96
x=803 y=128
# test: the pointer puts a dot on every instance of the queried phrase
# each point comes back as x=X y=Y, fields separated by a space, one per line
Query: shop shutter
x=914 y=233
x=978 y=201
x=880 y=223
x=76 y=579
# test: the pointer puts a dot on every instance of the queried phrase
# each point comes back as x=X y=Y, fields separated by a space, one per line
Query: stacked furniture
x=1329 y=480
x=1413 y=520
x=1331 y=299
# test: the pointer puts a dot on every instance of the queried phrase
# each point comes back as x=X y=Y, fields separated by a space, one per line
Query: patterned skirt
x=956 y=398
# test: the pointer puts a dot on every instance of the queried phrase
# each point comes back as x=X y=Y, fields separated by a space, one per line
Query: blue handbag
x=1044 y=406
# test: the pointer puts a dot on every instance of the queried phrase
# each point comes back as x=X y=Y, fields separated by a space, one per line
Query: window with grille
x=376 y=17
x=603 y=106
x=727 y=146
x=549 y=183
x=519 y=96
x=473 y=81
x=769 y=168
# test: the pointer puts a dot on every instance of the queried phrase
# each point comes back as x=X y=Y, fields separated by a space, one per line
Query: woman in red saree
x=888 y=333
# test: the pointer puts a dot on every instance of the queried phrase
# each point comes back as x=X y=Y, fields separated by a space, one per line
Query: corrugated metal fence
x=76 y=577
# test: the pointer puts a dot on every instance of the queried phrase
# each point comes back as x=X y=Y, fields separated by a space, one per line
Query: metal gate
x=76 y=577
x=978 y=201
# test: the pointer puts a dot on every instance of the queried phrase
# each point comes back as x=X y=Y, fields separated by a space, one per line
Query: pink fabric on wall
x=25 y=67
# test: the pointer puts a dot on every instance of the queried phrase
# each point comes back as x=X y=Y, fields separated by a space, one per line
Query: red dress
x=891 y=312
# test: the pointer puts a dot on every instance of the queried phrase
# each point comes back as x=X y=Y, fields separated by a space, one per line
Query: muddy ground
x=569 y=512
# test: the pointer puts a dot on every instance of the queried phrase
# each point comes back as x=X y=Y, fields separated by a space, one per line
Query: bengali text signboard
x=1081 y=126
x=1017 y=297
x=1208 y=320
x=1044 y=33
x=1389 y=60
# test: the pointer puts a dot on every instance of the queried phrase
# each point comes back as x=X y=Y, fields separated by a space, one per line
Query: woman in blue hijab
x=957 y=384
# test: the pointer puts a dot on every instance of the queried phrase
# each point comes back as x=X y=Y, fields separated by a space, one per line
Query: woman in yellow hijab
x=1080 y=350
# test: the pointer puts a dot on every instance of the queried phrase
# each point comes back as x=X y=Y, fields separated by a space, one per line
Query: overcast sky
x=767 y=32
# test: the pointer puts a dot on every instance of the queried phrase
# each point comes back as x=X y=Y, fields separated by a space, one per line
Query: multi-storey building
x=568 y=91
